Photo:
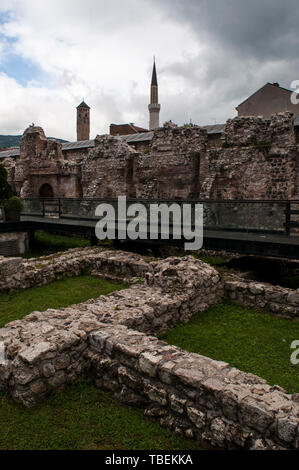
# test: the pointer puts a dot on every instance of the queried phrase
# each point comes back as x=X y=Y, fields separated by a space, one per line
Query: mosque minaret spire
x=154 y=106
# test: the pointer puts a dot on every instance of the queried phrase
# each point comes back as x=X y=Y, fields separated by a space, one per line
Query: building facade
x=268 y=100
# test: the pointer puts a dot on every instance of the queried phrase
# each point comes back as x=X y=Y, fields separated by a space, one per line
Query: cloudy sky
x=210 y=55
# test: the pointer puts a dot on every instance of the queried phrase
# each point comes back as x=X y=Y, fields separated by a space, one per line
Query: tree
x=6 y=191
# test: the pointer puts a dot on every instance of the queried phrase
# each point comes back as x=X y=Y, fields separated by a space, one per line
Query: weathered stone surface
x=109 y=336
x=178 y=163
x=279 y=300
x=244 y=410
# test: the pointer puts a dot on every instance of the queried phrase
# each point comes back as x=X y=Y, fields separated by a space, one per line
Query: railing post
x=288 y=218
x=44 y=210
x=59 y=208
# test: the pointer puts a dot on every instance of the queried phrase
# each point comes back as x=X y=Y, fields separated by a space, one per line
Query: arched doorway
x=46 y=191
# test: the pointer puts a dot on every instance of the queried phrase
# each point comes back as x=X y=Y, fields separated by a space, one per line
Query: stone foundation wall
x=276 y=299
x=192 y=394
x=18 y=273
x=47 y=349
x=111 y=338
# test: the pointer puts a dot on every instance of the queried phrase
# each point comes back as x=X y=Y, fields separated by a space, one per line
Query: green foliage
x=82 y=417
x=47 y=243
x=211 y=260
x=14 y=204
x=5 y=188
x=249 y=340
x=8 y=141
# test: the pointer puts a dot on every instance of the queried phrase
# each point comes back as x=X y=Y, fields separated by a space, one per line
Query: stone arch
x=46 y=191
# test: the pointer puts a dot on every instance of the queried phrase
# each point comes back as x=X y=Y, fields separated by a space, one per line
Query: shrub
x=14 y=204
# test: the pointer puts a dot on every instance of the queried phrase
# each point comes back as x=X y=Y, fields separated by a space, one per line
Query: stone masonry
x=110 y=338
x=276 y=299
x=252 y=159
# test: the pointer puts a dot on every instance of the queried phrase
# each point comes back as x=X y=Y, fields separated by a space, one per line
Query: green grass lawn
x=60 y=241
x=246 y=339
x=47 y=243
x=212 y=260
x=82 y=417
x=68 y=291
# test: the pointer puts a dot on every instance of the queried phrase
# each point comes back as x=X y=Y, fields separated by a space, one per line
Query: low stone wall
x=46 y=349
x=278 y=300
x=18 y=273
x=108 y=337
x=192 y=394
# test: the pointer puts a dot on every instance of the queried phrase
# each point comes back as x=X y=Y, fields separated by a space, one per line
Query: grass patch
x=46 y=243
x=57 y=294
x=246 y=339
x=82 y=417
x=211 y=260
x=60 y=241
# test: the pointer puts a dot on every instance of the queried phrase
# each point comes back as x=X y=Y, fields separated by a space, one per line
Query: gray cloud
x=211 y=55
x=243 y=45
x=266 y=29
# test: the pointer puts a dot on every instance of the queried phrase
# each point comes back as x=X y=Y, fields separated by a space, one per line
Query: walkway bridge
x=265 y=228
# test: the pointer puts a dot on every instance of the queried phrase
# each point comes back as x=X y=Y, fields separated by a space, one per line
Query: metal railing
x=234 y=215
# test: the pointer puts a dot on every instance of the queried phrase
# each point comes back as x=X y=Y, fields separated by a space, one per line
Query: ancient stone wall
x=276 y=299
x=192 y=394
x=107 y=170
x=41 y=162
x=18 y=273
x=171 y=169
x=257 y=160
x=108 y=338
x=254 y=159
x=42 y=350
x=188 y=393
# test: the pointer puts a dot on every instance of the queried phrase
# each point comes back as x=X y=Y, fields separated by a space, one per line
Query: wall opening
x=46 y=191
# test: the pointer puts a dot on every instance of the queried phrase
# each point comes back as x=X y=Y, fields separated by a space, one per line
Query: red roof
x=125 y=129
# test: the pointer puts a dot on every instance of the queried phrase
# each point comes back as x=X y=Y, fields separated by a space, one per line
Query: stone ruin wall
x=171 y=170
x=41 y=162
x=110 y=338
x=257 y=160
x=108 y=168
x=278 y=300
x=253 y=159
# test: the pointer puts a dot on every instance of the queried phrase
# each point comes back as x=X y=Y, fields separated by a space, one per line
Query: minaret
x=83 y=121
x=154 y=107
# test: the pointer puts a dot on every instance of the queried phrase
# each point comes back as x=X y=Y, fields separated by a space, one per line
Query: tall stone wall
x=257 y=160
x=107 y=171
x=41 y=162
x=171 y=169
x=254 y=159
